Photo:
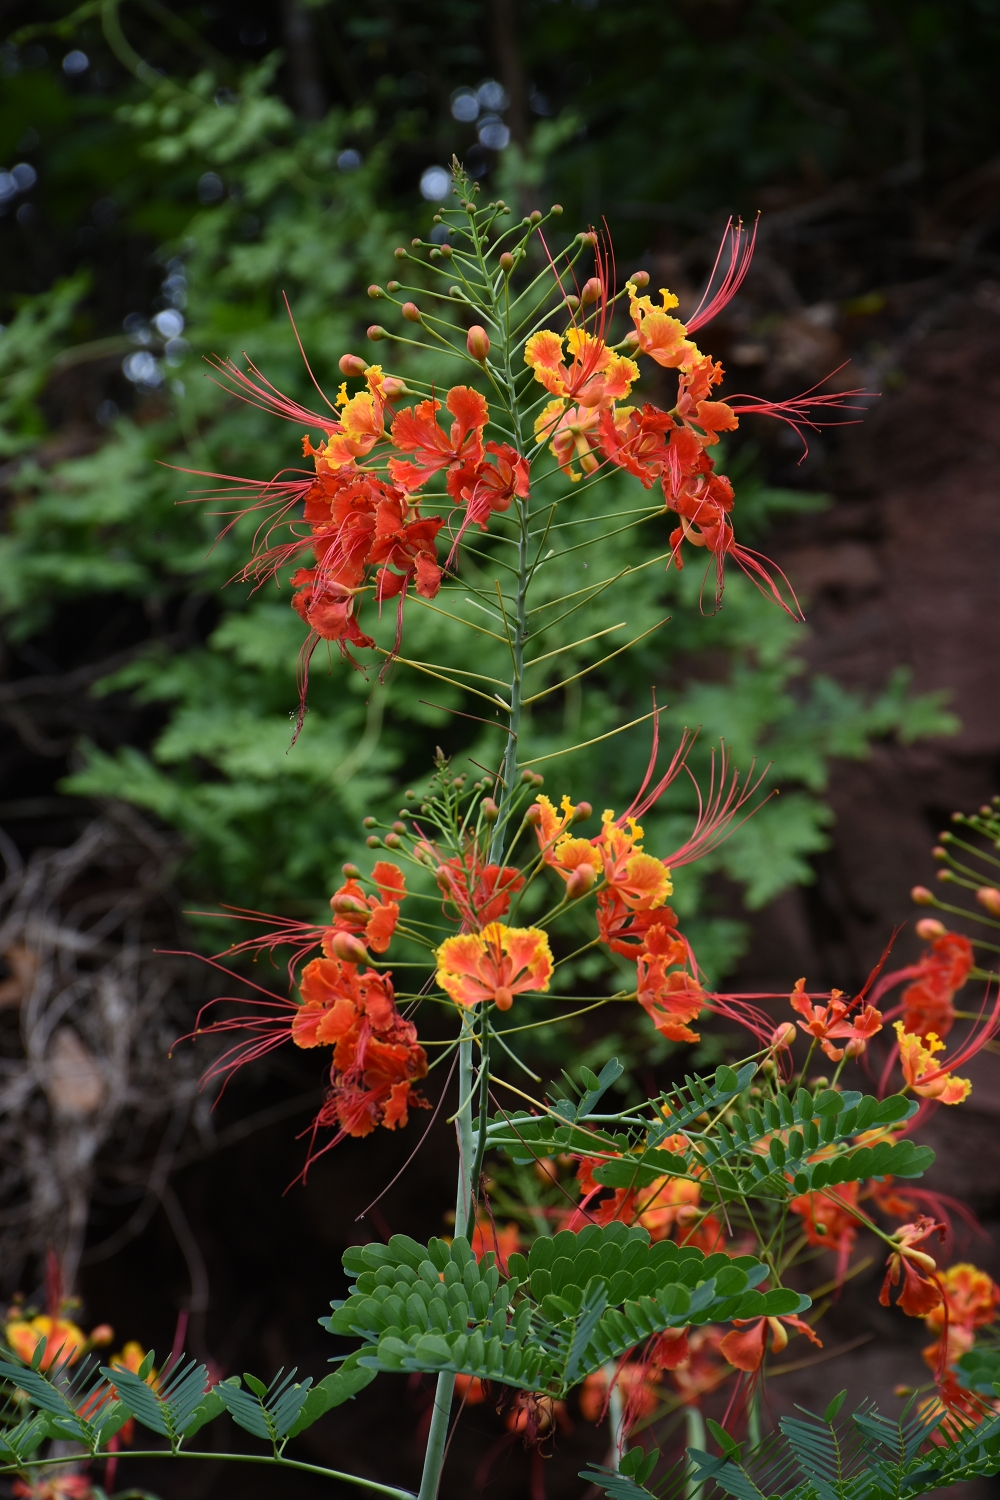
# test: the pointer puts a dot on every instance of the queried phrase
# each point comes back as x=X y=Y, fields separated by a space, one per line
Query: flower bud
x=580 y=882
x=534 y=217
x=556 y=210
x=639 y=279
x=348 y=948
x=855 y=1047
x=368 y=822
x=507 y=262
x=533 y=816
x=592 y=291
x=989 y=897
x=445 y=251
x=443 y=879
x=411 y=312
x=392 y=286
x=102 y=1334
x=631 y=339
x=922 y=896
x=393 y=841
x=478 y=342
x=490 y=810
x=400 y=252
x=527 y=775
x=375 y=291
x=392 y=385
x=344 y=905
x=783 y=1035
x=351 y=871
x=572 y=302
x=416 y=240
x=375 y=333
x=373 y=841
x=502 y=998
x=434 y=253
x=582 y=812
x=929 y=928
x=352 y=364
x=399 y=827
x=939 y=853
x=945 y=875
x=587 y=237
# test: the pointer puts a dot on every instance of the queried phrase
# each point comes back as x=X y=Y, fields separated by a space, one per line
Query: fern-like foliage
x=90 y=1405
x=782 y=1147
x=864 y=1456
x=573 y=1303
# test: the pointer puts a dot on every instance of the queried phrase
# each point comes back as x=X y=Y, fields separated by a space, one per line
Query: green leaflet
x=268 y=1412
x=573 y=1303
x=866 y=1456
x=808 y=1141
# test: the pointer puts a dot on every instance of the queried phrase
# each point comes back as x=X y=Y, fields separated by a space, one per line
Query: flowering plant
x=655 y=1249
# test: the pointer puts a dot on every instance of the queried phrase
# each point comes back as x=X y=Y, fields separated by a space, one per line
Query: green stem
x=437 y=1436
x=236 y=1458
x=696 y=1438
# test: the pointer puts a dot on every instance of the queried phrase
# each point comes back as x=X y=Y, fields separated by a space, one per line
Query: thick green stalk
x=437 y=1436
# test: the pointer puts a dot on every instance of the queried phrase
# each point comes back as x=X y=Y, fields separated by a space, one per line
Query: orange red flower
x=944 y=969
x=822 y=1022
x=64 y=1340
x=368 y=917
x=970 y=1300
x=746 y=1350
x=589 y=374
x=672 y=999
x=416 y=430
x=922 y=1073
x=915 y=1268
x=494 y=965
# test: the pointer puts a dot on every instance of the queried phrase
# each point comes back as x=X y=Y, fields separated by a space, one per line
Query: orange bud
x=502 y=997
x=400 y=252
x=631 y=339
x=342 y=905
x=352 y=364
x=592 y=291
x=478 y=342
x=393 y=841
x=348 y=948
x=581 y=812
x=375 y=291
x=351 y=871
x=929 y=928
x=556 y=209
x=102 y=1334
x=580 y=882
x=392 y=286
x=939 y=852
x=639 y=279
x=411 y=312
x=375 y=333
x=533 y=816
x=572 y=302
x=399 y=827
x=922 y=896
x=783 y=1035
x=507 y=262
x=490 y=810
x=989 y=897
x=534 y=217
x=392 y=385
x=855 y=1047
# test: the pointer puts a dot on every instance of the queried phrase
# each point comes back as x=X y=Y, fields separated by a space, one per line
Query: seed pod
x=478 y=342
x=348 y=948
x=352 y=364
x=411 y=312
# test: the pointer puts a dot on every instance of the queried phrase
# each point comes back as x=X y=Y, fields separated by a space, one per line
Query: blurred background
x=167 y=174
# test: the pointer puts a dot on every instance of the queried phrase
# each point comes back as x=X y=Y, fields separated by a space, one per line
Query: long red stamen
x=740 y=256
